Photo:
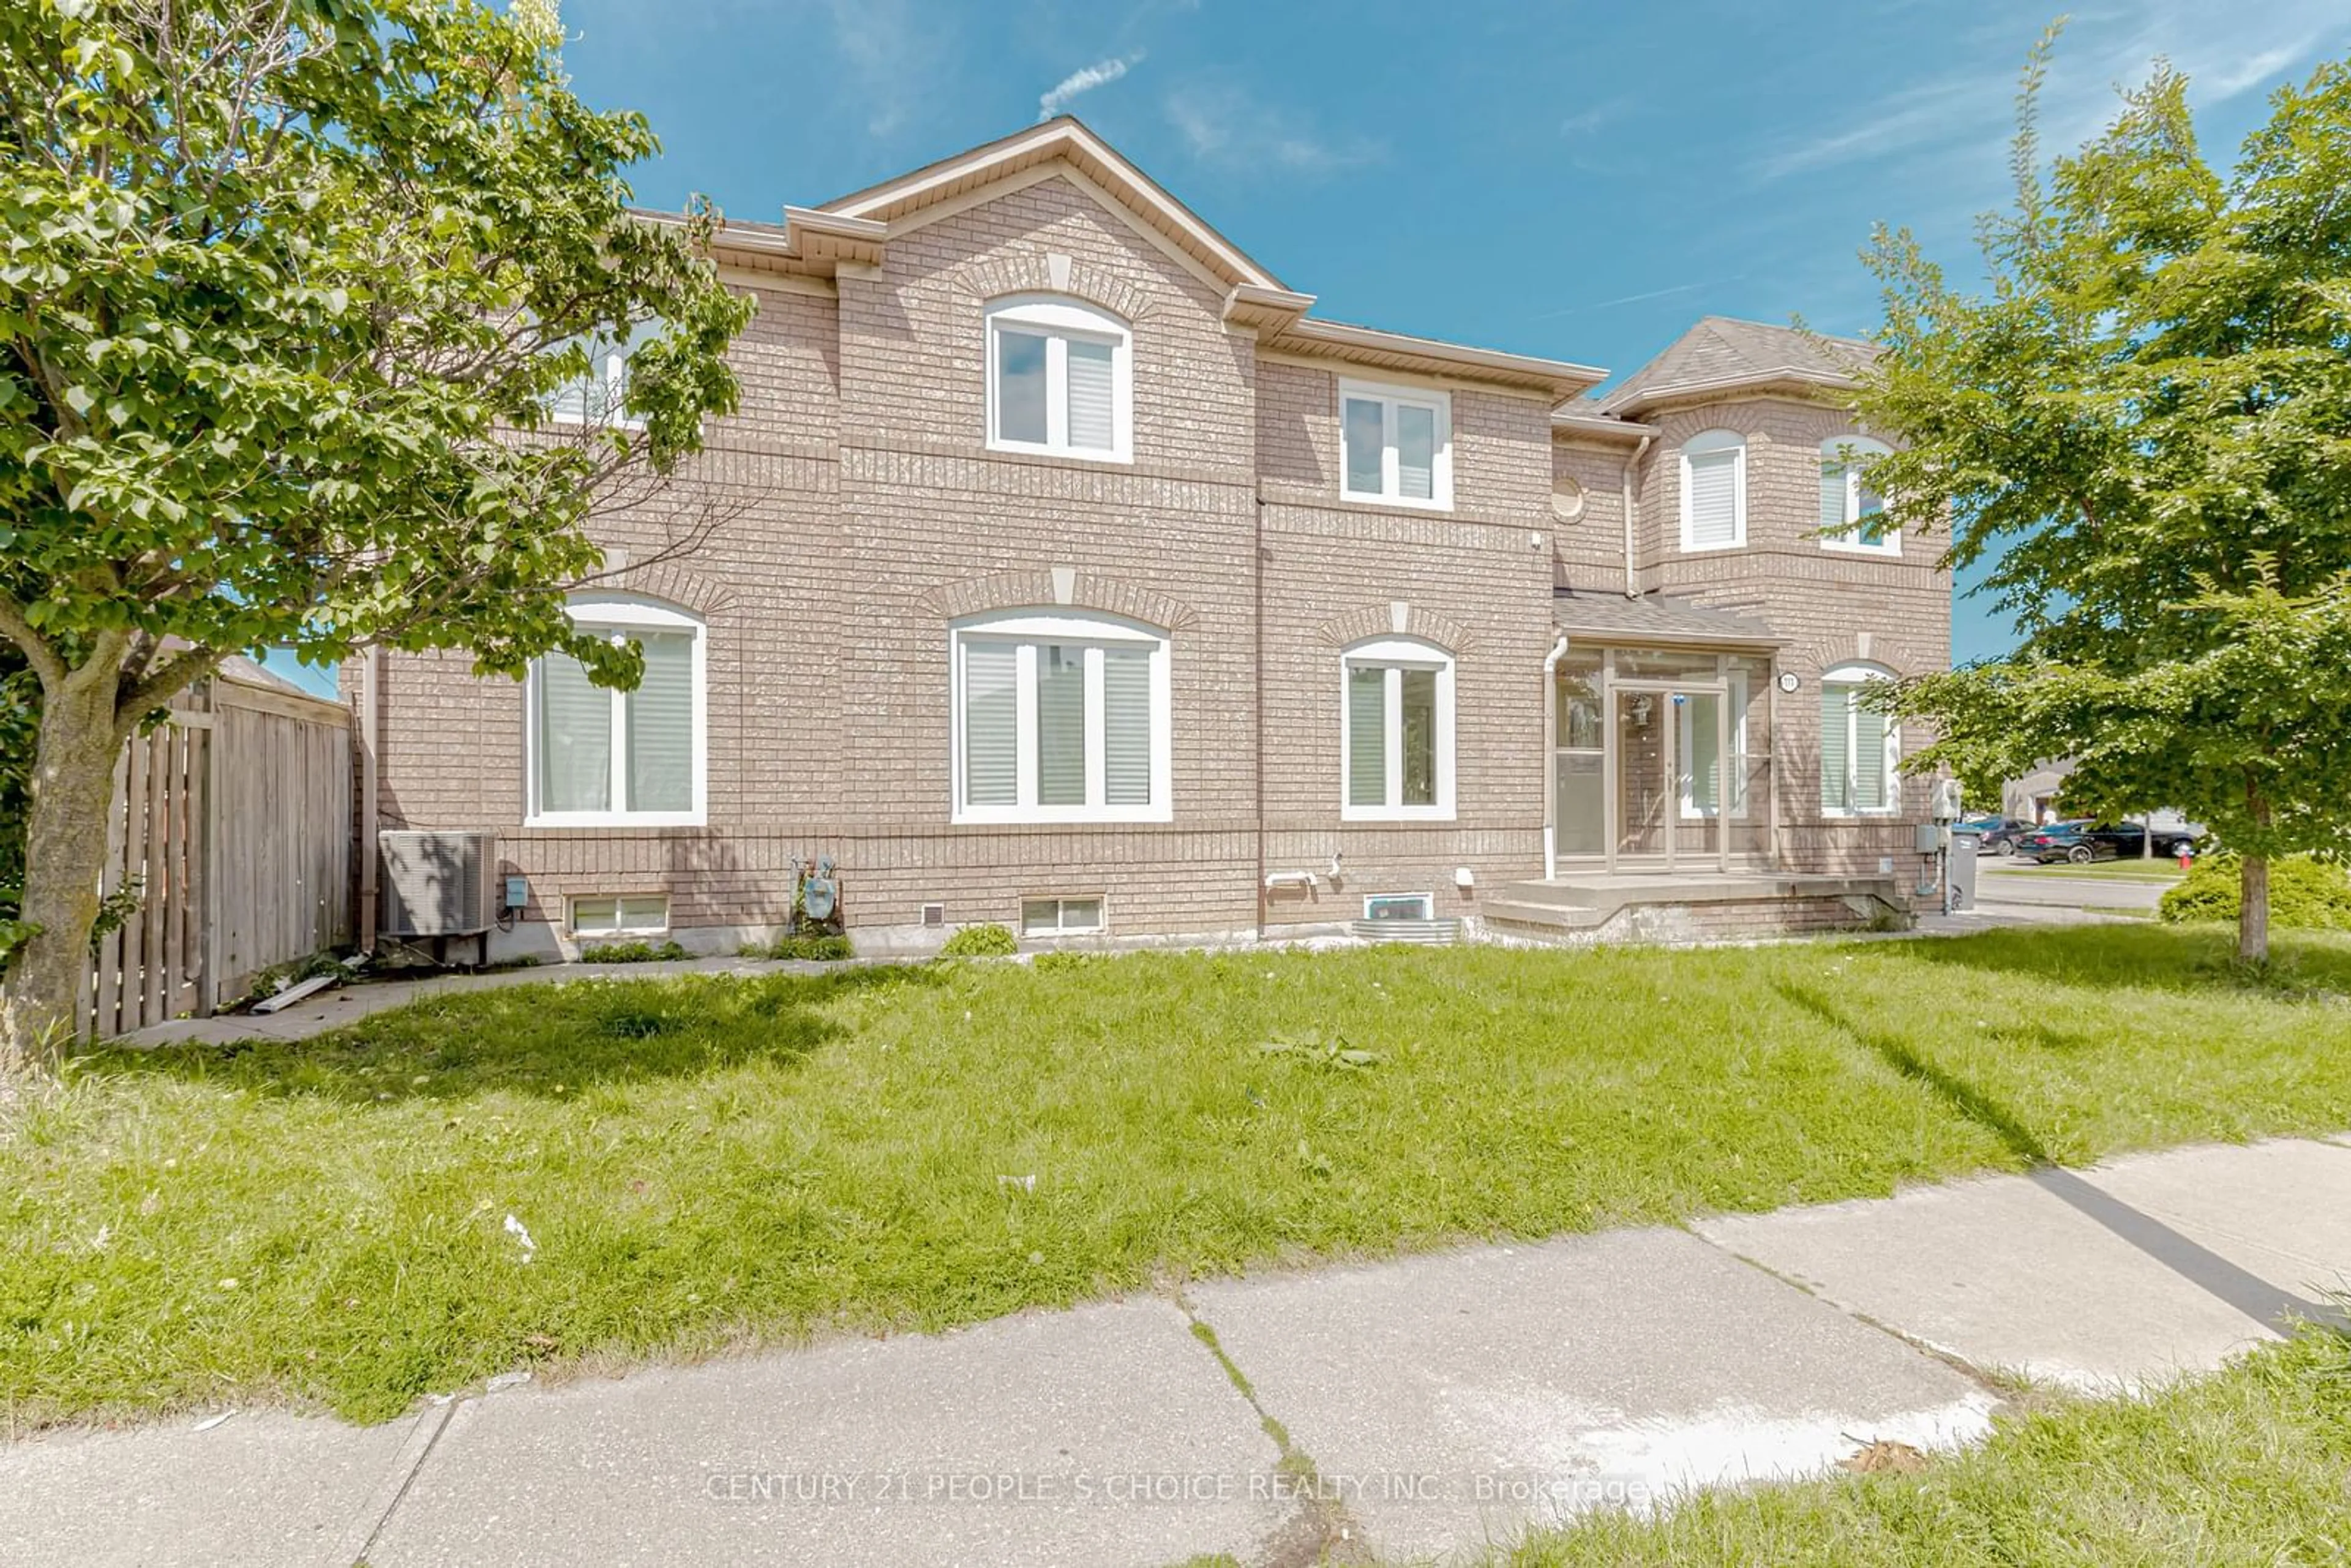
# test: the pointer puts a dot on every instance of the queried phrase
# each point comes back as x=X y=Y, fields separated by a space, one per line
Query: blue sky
x=1568 y=179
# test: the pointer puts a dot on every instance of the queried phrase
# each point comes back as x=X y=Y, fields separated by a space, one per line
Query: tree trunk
x=65 y=853
x=2253 y=911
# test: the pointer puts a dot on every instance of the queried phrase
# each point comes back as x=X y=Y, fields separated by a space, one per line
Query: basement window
x=620 y=914
x=1398 y=906
x=1060 y=916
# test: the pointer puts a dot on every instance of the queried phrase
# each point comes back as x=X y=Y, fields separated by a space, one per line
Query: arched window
x=1859 y=745
x=1714 y=491
x=1060 y=715
x=1395 y=731
x=612 y=758
x=1851 y=513
x=1061 y=379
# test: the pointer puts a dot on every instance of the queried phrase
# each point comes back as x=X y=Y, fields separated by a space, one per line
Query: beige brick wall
x=863 y=511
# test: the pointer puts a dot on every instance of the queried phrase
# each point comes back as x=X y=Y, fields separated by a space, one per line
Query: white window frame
x=1733 y=783
x=1701 y=445
x=1061 y=903
x=1857 y=675
x=1057 y=319
x=619 y=901
x=1847 y=452
x=1441 y=465
x=1029 y=630
x=1396 y=655
x=1428 y=901
x=620 y=614
x=608 y=366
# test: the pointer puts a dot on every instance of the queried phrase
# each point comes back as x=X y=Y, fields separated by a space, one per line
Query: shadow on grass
x=2147 y=955
x=551 y=1040
x=2276 y=1309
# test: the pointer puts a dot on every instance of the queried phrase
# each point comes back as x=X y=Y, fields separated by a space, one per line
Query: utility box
x=1960 y=872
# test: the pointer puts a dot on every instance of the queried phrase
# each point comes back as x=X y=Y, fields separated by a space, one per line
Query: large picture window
x=612 y=758
x=1059 y=718
x=1859 y=747
x=1060 y=379
x=1395 y=725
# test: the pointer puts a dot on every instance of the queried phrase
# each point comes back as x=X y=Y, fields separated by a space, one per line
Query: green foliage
x=708 y=1161
x=989 y=941
x=1055 y=959
x=2144 y=427
x=822 y=947
x=633 y=952
x=2313 y=893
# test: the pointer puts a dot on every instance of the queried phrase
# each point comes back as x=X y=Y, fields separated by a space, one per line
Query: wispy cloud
x=1227 y=125
x=1584 y=122
x=1965 y=115
x=1085 y=79
x=890 y=57
x=1641 y=298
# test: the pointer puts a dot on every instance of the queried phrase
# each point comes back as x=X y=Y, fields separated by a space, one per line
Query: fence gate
x=233 y=824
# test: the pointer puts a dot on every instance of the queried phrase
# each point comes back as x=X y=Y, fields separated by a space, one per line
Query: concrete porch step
x=1514 y=911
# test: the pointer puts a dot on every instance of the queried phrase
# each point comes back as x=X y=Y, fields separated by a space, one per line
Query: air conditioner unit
x=438 y=883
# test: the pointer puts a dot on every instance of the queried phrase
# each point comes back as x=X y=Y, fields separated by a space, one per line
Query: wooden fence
x=233 y=823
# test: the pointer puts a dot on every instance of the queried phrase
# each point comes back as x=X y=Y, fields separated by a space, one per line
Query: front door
x=1669 y=774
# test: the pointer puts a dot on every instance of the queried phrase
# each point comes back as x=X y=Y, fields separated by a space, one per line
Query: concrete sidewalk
x=1418 y=1408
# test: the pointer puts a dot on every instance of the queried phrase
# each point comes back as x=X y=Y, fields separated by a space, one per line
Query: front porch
x=1576 y=908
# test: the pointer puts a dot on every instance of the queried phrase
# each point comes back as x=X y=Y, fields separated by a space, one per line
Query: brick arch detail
x=1031 y=273
x=671 y=583
x=1379 y=620
x=1061 y=588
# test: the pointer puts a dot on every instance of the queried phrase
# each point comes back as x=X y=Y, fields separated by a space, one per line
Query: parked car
x=1994 y=835
x=2084 y=841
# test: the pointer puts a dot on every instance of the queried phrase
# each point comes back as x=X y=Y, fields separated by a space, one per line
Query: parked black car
x=1995 y=835
x=2084 y=841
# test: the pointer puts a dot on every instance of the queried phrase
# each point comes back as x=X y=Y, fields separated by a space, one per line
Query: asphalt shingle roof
x=1720 y=350
x=1655 y=617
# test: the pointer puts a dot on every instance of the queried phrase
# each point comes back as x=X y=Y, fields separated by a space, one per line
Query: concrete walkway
x=1418 y=1408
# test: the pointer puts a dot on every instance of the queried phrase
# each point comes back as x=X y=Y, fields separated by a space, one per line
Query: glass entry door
x=1669 y=774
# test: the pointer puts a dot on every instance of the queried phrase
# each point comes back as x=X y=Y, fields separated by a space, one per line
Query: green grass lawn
x=705 y=1163
x=2250 y=1466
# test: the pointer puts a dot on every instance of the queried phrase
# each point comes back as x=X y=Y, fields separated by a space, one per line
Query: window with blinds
x=1859 y=747
x=1714 y=491
x=1397 y=731
x=1852 y=512
x=1057 y=719
x=601 y=395
x=1058 y=379
x=600 y=756
x=1397 y=445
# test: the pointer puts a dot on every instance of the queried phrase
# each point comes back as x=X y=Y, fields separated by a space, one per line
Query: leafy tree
x=286 y=286
x=2146 y=425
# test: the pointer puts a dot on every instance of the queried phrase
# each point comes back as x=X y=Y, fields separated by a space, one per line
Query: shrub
x=633 y=953
x=819 y=947
x=2302 y=892
x=990 y=941
x=1048 y=962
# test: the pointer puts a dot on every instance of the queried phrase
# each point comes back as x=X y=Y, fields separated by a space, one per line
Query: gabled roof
x=1720 y=355
x=857 y=229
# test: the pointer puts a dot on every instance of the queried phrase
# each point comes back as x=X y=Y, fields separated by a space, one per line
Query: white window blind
x=990 y=723
x=1713 y=521
x=1367 y=745
x=1832 y=491
x=1060 y=726
x=660 y=723
x=1397 y=445
x=1415 y=452
x=1858 y=749
x=1091 y=407
x=1836 y=749
x=1126 y=726
x=1869 y=764
x=575 y=738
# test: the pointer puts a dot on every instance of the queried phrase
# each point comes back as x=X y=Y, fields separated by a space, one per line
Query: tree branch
x=165 y=681
x=47 y=665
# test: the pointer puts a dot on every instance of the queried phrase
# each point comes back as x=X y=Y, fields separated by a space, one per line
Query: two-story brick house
x=1076 y=576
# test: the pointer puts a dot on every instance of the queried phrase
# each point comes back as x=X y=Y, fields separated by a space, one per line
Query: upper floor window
x=1060 y=379
x=1395 y=725
x=1859 y=745
x=600 y=396
x=614 y=758
x=1397 y=445
x=1853 y=515
x=1714 y=491
x=1059 y=716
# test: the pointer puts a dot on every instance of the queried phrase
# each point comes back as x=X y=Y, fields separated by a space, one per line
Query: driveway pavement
x=2032 y=893
x=1423 y=1407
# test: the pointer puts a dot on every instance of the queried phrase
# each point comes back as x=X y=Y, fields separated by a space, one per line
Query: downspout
x=1631 y=550
x=1257 y=702
x=370 y=700
x=1551 y=757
